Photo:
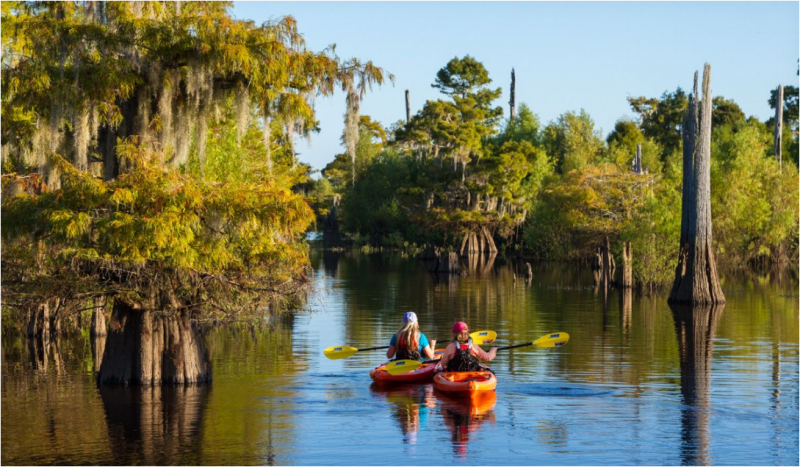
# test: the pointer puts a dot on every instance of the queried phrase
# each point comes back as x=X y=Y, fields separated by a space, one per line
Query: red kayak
x=423 y=374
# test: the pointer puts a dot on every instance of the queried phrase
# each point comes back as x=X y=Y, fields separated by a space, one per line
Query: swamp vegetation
x=150 y=181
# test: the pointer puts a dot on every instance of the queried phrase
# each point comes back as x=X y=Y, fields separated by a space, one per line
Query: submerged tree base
x=150 y=348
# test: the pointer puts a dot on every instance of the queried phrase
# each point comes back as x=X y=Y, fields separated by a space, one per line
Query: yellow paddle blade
x=398 y=367
x=339 y=352
x=555 y=339
x=483 y=337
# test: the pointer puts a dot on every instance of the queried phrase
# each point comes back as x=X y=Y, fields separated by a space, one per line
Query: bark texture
x=98 y=322
x=696 y=278
x=149 y=348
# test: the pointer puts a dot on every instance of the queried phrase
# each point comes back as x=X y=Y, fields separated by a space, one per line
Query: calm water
x=638 y=383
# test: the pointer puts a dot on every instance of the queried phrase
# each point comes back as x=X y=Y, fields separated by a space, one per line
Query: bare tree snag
x=637 y=160
x=408 y=107
x=696 y=279
x=607 y=263
x=627 y=265
x=98 y=322
x=778 y=143
x=512 y=102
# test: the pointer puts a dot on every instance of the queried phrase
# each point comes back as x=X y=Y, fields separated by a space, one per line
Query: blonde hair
x=408 y=336
x=457 y=334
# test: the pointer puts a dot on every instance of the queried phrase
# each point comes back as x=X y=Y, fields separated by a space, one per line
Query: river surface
x=638 y=383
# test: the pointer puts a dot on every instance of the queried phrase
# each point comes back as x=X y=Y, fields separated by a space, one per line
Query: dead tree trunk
x=608 y=264
x=627 y=265
x=778 y=143
x=408 y=107
x=696 y=279
x=98 y=322
x=637 y=160
x=149 y=348
x=512 y=102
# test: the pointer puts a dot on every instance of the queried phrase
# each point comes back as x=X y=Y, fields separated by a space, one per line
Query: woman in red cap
x=464 y=355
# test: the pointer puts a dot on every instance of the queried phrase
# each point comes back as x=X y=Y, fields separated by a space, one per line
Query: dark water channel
x=638 y=383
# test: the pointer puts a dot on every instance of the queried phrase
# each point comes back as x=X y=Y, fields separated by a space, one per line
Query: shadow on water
x=695 y=328
x=155 y=425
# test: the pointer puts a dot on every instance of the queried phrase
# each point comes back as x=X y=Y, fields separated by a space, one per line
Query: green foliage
x=373 y=206
x=661 y=119
x=156 y=231
x=572 y=141
x=754 y=202
x=524 y=127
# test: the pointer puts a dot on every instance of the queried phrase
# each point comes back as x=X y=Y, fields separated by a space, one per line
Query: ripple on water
x=557 y=390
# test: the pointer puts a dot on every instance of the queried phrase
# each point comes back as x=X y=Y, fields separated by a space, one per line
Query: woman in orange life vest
x=464 y=355
x=409 y=342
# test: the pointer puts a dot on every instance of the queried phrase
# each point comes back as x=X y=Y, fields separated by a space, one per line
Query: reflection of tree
x=51 y=414
x=253 y=362
x=330 y=261
x=479 y=265
x=695 y=328
x=464 y=416
x=155 y=425
x=626 y=309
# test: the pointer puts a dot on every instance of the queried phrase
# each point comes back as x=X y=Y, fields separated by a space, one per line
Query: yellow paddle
x=343 y=351
x=555 y=339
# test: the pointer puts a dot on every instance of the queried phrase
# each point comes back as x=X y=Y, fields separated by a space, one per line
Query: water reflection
x=411 y=407
x=464 y=416
x=330 y=262
x=479 y=265
x=695 y=328
x=156 y=425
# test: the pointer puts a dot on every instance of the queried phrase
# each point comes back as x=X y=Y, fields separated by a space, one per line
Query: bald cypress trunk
x=778 y=137
x=146 y=348
x=696 y=279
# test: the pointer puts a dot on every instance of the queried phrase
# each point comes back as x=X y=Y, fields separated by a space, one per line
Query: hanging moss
x=242 y=110
x=82 y=136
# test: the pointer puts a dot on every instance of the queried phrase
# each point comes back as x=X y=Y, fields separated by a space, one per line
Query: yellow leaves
x=122 y=196
x=69 y=224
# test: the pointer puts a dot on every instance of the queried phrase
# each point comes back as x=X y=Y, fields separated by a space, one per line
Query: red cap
x=460 y=327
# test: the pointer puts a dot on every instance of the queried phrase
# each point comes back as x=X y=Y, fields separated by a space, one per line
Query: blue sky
x=567 y=56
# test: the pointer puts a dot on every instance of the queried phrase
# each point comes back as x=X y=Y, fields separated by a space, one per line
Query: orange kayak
x=423 y=374
x=467 y=382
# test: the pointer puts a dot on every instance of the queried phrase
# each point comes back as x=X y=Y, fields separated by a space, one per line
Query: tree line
x=457 y=171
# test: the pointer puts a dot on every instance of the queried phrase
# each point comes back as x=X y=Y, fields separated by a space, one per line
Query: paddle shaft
x=514 y=346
